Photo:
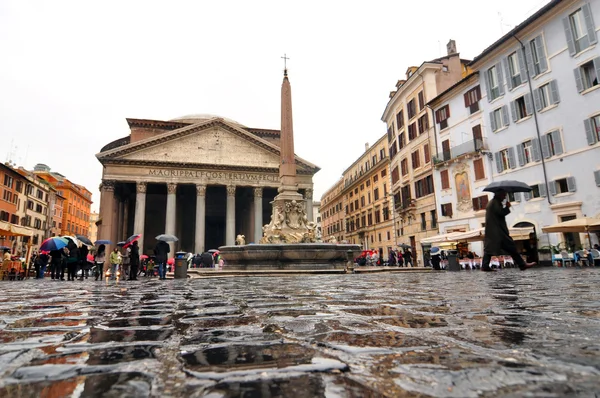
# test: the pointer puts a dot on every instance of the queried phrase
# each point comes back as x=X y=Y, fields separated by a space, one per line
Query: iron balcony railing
x=460 y=150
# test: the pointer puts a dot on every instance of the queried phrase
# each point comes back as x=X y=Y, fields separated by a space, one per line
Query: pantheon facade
x=202 y=178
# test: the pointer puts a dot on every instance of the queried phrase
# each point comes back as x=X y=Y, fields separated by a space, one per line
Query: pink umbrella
x=143 y=257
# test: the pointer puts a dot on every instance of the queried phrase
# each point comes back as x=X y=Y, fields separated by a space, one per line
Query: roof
x=516 y=30
x=454 y=86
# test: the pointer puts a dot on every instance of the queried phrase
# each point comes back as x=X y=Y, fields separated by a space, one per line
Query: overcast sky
x=72 y=71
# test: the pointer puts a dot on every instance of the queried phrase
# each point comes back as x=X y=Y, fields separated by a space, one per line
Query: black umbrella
x=84 y=240
x=405 y=246
x=507 y=186
x=122 y=243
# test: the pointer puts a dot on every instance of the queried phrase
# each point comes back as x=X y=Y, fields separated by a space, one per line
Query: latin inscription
x=213 y=175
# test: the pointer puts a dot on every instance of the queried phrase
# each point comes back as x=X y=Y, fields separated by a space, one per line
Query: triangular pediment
x=214 y=142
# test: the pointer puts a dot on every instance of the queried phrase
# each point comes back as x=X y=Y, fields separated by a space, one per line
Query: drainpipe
x=537 y=127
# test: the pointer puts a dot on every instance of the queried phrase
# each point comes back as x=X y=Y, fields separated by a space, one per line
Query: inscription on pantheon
x=213 y=175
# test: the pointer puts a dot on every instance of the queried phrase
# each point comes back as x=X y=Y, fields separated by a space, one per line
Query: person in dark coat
x=497 y=237
x=134 y=261
x=161 y=251
x=207 y=260
x=83 y=263
x=56 y=269
x=72 y=261
x=435 y=261
x=407 y=257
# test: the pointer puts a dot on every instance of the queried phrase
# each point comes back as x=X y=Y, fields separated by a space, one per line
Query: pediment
x=214 y=142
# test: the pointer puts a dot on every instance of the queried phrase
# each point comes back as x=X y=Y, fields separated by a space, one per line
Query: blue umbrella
x=434 y=250
x=54 y=243
x=103 y=242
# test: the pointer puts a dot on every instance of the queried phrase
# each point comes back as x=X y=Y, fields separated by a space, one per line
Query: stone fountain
x=289 y=241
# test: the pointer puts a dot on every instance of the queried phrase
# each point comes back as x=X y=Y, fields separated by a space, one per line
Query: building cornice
x=373 y=171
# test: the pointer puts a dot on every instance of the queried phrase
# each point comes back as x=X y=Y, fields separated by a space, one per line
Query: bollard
x=350 y=263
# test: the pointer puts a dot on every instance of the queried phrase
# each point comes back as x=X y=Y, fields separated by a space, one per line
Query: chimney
x=451 y=47
x=366 y=146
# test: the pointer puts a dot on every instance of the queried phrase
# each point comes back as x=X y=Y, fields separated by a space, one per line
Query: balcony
x=406 y=205
x=466 y=148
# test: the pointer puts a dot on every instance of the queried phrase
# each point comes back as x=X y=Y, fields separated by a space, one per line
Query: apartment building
x=333 y=214
x=366 y=194
x=411 y=144
x=541 y=101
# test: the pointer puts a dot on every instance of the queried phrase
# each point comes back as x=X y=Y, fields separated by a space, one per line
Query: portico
x=205 y=193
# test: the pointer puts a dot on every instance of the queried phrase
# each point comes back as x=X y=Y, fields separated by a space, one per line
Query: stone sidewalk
x=461 y=334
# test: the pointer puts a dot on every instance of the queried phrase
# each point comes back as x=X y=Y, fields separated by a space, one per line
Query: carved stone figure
x=240 y=240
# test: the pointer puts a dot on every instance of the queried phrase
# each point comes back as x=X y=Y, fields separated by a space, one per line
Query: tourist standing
x=126 y=256
x=161 y=251
x=83 y=263
x=72 y=261
x=56 y=271
x=115 y=260
x=134 y=261
x=100 y=259
x=497 y=237
x=207 y=260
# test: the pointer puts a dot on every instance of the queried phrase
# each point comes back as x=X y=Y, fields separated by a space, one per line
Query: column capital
x=141 y=186
x=308 y=193
x=201 y=189
x=231 y=190
x=107 y=185
x=258 y=192
x=171 y=187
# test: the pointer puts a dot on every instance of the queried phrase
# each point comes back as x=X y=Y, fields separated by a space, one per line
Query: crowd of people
x=396 y=258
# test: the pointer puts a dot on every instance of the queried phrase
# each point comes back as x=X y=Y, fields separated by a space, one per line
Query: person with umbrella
x=407 y=257
x=99 y=261
x=497 y=236
x=72 y=260
x=134 y=261
x=115 y=260
x=161 y=251
x=435 y=258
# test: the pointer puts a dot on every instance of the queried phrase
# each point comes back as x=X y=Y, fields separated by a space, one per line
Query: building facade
x=13 y=187
x=34 y=212
x=94 y=217
x=368 y=215
x=333 y=213
x=202 y=178
x=411 y=144
x=541 y=101
x=461 y=169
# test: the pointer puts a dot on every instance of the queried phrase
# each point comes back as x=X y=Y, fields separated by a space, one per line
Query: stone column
x=107 y=199
x=258 y=221
x=200 y=218
x=171 y=214
x=114 y=233
x=309 y=204
x=140 y=213
x=230 y=217
x=125 y=218
x=119 y=226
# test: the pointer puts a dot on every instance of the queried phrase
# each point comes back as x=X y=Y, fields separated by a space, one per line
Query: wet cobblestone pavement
x=463 y=334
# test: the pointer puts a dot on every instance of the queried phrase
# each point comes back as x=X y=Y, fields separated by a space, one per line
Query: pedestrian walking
x=83 y=263
x=497 y=237
x=126 y=255
x=161 y=251
x=134 y=260
x=407 y=257
x=72 y=261
x=99 y=260
x=115 y=260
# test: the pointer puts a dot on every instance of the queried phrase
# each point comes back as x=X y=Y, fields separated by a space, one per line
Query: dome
x=201 y=117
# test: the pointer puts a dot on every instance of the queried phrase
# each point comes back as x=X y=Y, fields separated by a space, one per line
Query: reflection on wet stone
x=416 y=335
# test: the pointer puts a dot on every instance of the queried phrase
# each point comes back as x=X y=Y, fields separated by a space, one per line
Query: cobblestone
x=463 y=334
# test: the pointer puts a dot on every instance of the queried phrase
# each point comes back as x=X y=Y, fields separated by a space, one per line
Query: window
x=424 y=187
x=416 y=161
x=477 y=137
x=368 y=183
x=377 y=216
x=597 y=177
x=546 y=95
x=433 y=219
x=499 y=118
x=536 y=56
x=472 y=98
x=592 y=129
x=38 y=208
x=382 y=153
x=395 y=175
x=445 y=179
x=563 y=185
x=586 y=76
x=421 y=101
x=505 y=160
x=423 y=124
x=30 y=205
x=479 y=170
x=400 y=120
x=375 y=178
x=390 y=133
x=447 y=209
x=480 y=202
x=514 y=197
x=404 y=166
x=411 y=109
x=525 y=153
x=521 y=107
x=580 y=30
x=40 y=194
x=412 y=131
x=552 y=144
x=406 y=196
x=7 y=195
x=370 y=219
x=442 y=115
x=383 y=173
x=8 y=181
x=393 y=150
x=19 y=187
x=386 y=214
x=513 y=72
x=426 y=153
x=423 y=221
x=495 y=83
x=401 y=140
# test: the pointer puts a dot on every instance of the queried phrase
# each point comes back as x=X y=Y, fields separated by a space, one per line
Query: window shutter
x=571 y=184
x=521 y=155
x=589 y=131
x=527 y=196
x=597 y=67
x=537 y=100
x=493 y=121
x=449 y=211
x=542 y=189
x=487 y=86
x=545 y=147
x=511 y=158
x=508 y=76
x=539 y=48
x=554 y=96
x=589 y=23
x=558 y=146
x=499 y=167
x=475 y=203
x=529 y=60
x=528 y=105
x=522 y=65
x=505 y=120
x=484 y=201
x=597 y=177
x=578 y=79
x=569 y=35
x=552 y=187
x=500 y=80
x=535 y=147
x=477 y=133
x=513 y=111
x=467 y=100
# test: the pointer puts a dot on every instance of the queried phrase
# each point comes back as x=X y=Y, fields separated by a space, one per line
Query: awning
x=584 y=224
x=479 y=234
x=449 y=237
x=8 y=229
